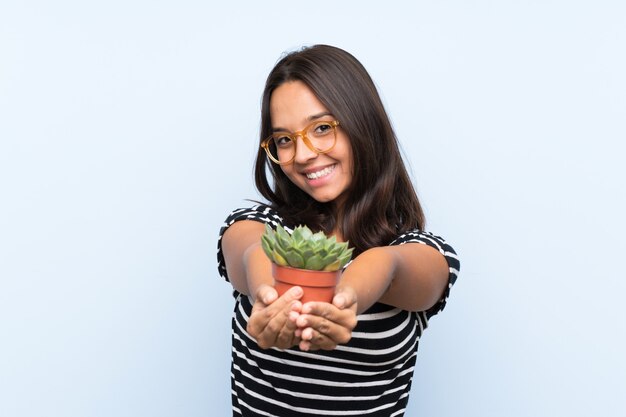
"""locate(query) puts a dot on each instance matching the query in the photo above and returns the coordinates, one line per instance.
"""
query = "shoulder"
(419, 236)
(430, 239)
(260, 212)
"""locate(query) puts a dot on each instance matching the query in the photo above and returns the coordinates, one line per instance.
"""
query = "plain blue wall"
(127, 133)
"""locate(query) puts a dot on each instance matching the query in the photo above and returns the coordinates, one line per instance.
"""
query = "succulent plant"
(305, 249)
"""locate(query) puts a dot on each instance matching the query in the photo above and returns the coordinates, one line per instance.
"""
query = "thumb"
(344, 297)
(266, 294)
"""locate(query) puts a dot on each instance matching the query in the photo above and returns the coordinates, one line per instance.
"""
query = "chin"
(325, 198)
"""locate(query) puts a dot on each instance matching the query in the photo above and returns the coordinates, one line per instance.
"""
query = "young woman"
(335, 166)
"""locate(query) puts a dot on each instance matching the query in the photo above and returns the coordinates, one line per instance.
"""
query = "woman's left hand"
(324, 325)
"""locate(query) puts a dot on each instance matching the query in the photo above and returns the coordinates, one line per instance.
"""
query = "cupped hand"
(272, 322)
(326, 325)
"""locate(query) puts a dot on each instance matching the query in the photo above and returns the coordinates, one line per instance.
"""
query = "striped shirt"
(369, 376)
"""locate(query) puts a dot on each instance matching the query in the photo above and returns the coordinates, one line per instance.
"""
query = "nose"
(303, 152)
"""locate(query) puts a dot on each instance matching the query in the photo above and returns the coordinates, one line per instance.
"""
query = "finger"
(338, 333)
(293, 316)
(291, 295)
(286, 337)
(269, 294)
(313, 340)
(305, 346)
(345, 317)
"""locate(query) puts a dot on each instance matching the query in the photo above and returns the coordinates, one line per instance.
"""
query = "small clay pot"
(317, 285)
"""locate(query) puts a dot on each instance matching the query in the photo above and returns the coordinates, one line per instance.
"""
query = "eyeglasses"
(320, 137)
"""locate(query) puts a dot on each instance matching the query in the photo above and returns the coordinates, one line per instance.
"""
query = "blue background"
(127, 134)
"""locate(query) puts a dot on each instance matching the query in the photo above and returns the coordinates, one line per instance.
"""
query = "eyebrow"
(309, 119)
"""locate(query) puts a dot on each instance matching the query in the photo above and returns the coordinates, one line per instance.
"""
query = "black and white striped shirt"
(369, 376)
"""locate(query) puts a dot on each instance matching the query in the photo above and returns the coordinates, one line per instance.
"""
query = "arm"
(411, 276)
(248, 267)
(249, 271)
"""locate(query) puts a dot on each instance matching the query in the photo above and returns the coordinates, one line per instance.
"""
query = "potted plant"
(310, 260)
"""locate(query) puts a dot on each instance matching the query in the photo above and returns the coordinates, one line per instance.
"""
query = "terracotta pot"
(317, 285)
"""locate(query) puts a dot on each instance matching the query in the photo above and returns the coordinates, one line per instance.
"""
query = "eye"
(282, 141)
(323, 128)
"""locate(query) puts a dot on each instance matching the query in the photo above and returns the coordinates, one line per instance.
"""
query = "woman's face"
(325, 177)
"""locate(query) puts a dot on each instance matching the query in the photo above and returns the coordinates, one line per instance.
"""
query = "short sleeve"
(436, 242)
(260, 213)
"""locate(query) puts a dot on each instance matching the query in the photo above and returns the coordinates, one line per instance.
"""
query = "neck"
(339, 215)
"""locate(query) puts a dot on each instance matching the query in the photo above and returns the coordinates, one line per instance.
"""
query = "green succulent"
(305, 249)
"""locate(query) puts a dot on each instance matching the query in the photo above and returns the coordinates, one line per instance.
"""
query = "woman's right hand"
(273, 319)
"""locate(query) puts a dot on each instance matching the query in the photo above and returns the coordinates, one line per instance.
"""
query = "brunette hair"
(381, 200)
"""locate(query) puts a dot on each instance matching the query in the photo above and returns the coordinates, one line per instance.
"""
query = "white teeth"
(322, 173)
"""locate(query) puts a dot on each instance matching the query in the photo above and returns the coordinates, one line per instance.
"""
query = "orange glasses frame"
(265, 144)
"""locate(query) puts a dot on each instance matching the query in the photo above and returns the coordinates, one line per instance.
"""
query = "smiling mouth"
(321, 173)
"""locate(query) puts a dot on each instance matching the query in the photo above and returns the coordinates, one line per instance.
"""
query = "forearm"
(248, 267)
(410, 276)
(257, 269)
(370, 274)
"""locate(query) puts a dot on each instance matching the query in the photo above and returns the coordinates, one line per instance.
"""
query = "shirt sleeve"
(436, 242)
(260, 213)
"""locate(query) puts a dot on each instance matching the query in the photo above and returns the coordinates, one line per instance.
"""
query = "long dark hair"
(381, 200)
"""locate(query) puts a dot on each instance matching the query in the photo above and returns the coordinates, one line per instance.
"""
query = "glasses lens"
(322, 136)
(282, 148)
